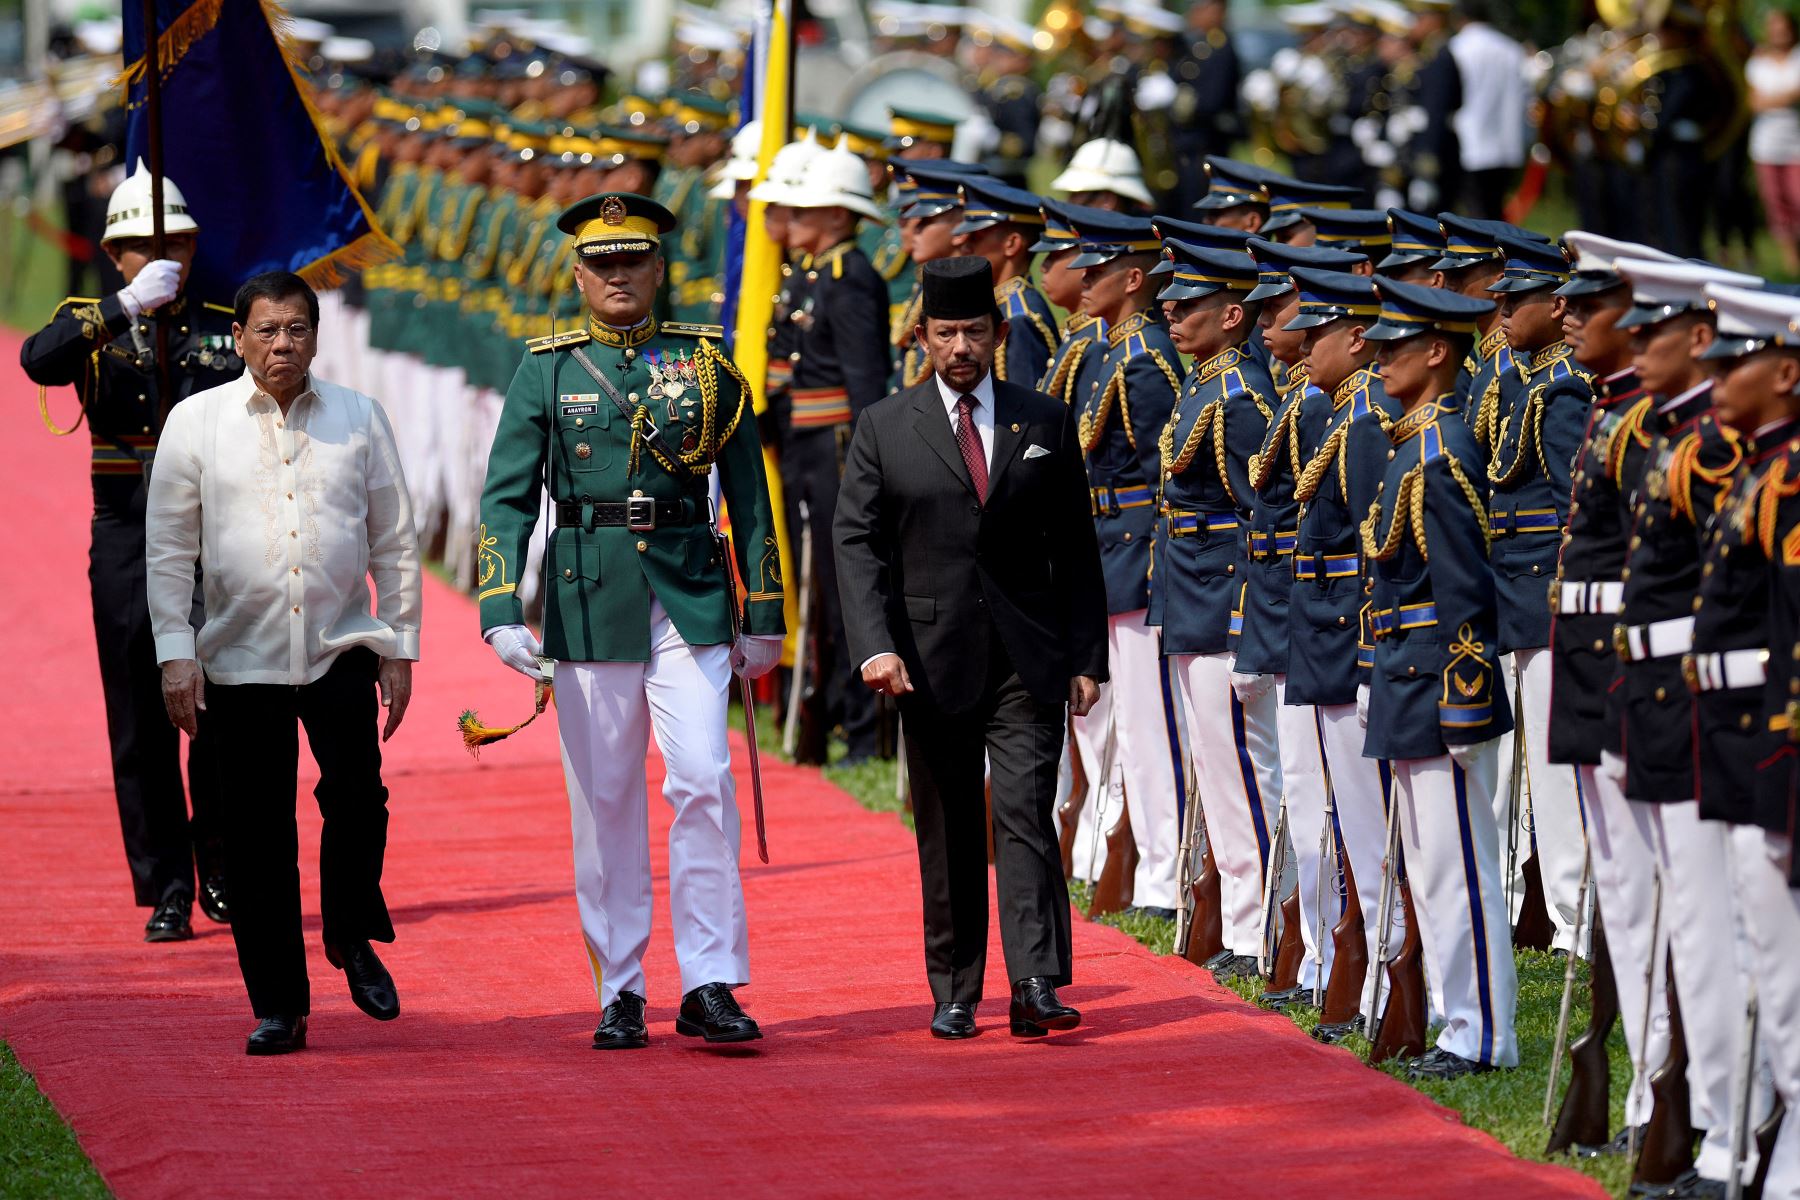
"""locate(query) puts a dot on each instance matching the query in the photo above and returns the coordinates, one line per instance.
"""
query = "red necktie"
(969, 442)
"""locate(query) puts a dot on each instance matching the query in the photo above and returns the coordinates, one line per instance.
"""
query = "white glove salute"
(157, 284)
(516, 648)
(755, 655)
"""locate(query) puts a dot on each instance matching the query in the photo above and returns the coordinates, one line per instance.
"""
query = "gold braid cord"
(1174, 462)
(1309, 479)
(1282, 432)
(1093, 423)
(1774, 488)
(1476, 503)
(710, 361)
(1487, 417)
(1630, 428)
(1062, 377)
(1685, 467)
(1384, 547)
(1531, 420)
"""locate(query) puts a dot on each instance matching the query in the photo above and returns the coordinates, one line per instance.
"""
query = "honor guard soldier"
(1692, 460)
(1212, 237)
(785, 180)
(1437, 708)
(1416, 241)
(1472, 262)
(1010, 98)
(1585, 604)
(1001, 224)
(1125, 393)
(1221, 414)
(1335, 486)
(1082, 332)
(1237, 195)
(932, 215)
(1204, 114)
(1287, 197)
(1532, 458)
(624, 419)
(108, 349)
(1358, 230)
(841, 369)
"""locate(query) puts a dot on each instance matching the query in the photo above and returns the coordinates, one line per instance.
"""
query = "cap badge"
(612, 211)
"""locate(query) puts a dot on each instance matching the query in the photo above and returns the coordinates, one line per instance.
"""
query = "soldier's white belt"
(1659, 639)
(1726, 671)
(1572, 598)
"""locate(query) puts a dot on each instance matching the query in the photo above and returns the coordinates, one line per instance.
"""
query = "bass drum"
(913, 80)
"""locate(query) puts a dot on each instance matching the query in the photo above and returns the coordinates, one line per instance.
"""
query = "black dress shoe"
(1439, 1063)
(213, 901)
(1689, 1185)
(710, 1011)
(1620, 1145)
(277, 1035)
(170, 922)
(1285, 998)
(1337, 1031)
(371, 987)
(1238, 966)
(1218, 960)
(953, 1019)
(622, 1024)
(1036, 1010)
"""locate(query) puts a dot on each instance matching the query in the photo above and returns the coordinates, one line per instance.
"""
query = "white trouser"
(1771, 912)
(1238, 764)
(1553, 822)
(606, 712)
(1359, 790)
(1453, 863)
(1303, 786)
(1105, 798)
(1709, 978)
(1145, 759)
(1625, 885)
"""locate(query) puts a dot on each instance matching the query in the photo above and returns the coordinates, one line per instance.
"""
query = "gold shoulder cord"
(1531, 420)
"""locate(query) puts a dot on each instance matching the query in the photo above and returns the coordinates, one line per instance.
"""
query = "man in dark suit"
(972, 592)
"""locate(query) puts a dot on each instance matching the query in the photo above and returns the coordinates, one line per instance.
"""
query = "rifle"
(1584, 1121)
(1273, 870)
(1400, 1029)
(1641, 1068)
(1534, 929)
(1766, 1133)
(1327, 848)
(1389, 857)
(1206, 931)
(1112, 891)
(1350, 954)
(790, 733)
(1184, 862)
(1740, 1125)
(1568, 992)
(1103, 791)
(1069, 811)
(1668, 1148)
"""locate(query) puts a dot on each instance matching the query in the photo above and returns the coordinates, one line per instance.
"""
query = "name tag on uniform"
(587, 405)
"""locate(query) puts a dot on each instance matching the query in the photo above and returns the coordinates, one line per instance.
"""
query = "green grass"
(33, 273)
(39, 1156)
(1508, 1105)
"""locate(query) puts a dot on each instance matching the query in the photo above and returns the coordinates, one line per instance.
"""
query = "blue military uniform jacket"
(1218, 425)
(1126, 395)
(1530, 476)
(1293, 435)
(1032, 336)
(1483, 398)
(1433, 612)
(1083, 335)
(1331, 649)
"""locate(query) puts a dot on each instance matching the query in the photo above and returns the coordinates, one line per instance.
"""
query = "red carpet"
(485, 1086)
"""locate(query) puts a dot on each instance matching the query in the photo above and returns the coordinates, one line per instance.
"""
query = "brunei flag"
(241, 139)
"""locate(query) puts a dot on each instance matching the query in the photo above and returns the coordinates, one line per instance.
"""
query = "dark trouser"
(160, 841)
(1022, 741)
(811, 469)
(259, 749)
(1678, 191)
(1484, 192)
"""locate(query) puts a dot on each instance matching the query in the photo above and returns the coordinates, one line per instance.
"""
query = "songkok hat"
(616, 223)
(957, 289)
(1275, 262)
(1327, 295)
(1410, 308)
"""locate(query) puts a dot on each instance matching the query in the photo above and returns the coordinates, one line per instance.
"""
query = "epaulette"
(556, 341)
(690, 329)
(77, 300)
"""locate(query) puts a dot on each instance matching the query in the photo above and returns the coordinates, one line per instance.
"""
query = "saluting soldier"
(107, 348)
(1529, 477)
(1204, 450)
(625, 418)
(1436, 706)
(1001, 224)
(1082, 332)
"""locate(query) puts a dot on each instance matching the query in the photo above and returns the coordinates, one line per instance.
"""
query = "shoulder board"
(556, 341)
(77, 300)
(221, 308)
(689, 329)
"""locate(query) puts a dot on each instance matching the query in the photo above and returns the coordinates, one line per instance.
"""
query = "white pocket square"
(1032, 452)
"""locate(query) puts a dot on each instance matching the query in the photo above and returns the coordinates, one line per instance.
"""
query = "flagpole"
(158, 245)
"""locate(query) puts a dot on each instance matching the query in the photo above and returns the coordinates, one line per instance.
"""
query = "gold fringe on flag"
(475, 735)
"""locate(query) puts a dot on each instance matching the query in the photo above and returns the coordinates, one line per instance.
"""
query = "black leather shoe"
(1036, 1010)
(1620, 1145)
(1285, 998)
(1218, 960)
(371, 987)
(1238, 966)
(277, 1035)
(953, 1019)
(710, 1011)
(1689, 1185)
(1337, 1031)
(213, 901)
(171, 921)
(1439, 1063)
(622, 1024)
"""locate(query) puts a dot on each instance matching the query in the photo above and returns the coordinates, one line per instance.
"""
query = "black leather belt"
(640, 513)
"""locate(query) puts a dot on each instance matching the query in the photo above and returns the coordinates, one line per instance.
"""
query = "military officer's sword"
(745, 692)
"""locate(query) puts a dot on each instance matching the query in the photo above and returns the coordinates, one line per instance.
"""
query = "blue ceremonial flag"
(243, 143)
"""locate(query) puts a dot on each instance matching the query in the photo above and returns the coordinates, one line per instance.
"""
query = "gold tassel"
(475, 735)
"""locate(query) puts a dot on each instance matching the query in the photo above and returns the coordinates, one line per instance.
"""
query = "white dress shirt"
(289, 518)
(1491, 126)
(983, 412)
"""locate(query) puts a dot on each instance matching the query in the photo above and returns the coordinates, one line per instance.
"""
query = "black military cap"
(987, 202)
(1203, 270)
(1327, 295)
(1197, 233)
(1232, 184)
(1408, 309)
(1417, 239)
(1530, 265)
(1288, 196)
(1349, 228)
(958, 289)
(1275, 262)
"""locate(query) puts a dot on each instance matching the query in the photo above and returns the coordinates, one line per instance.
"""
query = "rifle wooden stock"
(1766, 1133)
(1349, 957)
(1534, 930)
(1400, 1028)
(1668, 1147)
(1206, 933)
(1069, 811)
(1290, 950)
(1585, 1116)
(1112, 891)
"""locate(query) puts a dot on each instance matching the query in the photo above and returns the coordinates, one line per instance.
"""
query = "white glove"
(516, 648)
(1464, 754)
(1250, 688)
(158, 283)
(1362, 704)
(754, 655)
